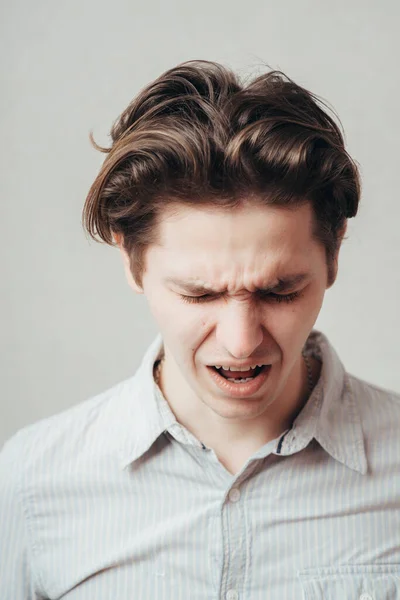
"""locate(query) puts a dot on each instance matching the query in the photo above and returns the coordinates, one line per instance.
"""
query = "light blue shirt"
(114, 500)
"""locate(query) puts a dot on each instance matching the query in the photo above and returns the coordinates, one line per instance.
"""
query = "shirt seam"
(36, 577)
(391, 393)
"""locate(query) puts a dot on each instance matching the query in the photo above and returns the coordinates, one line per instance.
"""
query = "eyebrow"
(283, 284)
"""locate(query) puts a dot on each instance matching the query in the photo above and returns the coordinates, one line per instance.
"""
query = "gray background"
(71, 327)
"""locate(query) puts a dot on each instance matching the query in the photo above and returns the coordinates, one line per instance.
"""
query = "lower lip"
(240, 390)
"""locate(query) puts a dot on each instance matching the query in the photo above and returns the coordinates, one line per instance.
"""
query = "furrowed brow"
(283, 284)
(189, 286)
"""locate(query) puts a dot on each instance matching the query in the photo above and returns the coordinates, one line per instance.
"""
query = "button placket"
(233, 572)
(234, 495)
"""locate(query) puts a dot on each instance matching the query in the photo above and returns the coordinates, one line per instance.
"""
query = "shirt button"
(232, 595)
(234, 496)
(366, 597)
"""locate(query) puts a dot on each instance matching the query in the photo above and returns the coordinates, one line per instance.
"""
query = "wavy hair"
(196, 135)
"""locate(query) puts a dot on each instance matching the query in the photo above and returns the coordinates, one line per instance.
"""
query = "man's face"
(202, 282)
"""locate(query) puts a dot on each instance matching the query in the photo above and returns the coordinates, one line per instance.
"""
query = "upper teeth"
(237, 368)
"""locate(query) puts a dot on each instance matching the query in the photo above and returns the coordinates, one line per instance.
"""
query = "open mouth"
(240, 384)
(240, 376)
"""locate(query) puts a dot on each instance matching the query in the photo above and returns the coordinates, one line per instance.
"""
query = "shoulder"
(82, 428)
(372, 395)
(47, 469)
(379, 413)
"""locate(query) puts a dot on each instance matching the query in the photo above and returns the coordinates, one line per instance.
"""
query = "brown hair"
(197, 135)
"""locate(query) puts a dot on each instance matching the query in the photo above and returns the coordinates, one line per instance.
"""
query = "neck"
(233, 437)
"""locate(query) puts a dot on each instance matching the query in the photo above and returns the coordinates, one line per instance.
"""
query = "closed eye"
(268, 297)
(280, 297)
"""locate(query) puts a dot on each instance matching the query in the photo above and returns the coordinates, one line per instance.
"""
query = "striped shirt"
(113, 499)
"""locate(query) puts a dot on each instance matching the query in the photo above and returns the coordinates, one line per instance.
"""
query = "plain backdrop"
(70, 326)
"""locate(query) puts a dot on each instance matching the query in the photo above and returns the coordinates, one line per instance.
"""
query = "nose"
(239, 330)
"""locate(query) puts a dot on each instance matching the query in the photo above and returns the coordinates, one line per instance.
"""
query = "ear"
(127, 265)
(335, 263)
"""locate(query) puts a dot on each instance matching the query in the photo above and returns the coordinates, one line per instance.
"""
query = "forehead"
(182, 224)
(228, 246)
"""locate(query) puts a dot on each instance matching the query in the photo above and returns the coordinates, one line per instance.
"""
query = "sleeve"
(16, 579)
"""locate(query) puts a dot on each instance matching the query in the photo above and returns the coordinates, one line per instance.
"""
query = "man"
(241, 461)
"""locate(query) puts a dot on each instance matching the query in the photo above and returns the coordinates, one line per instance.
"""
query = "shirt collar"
(331, 414)
(143, 416)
